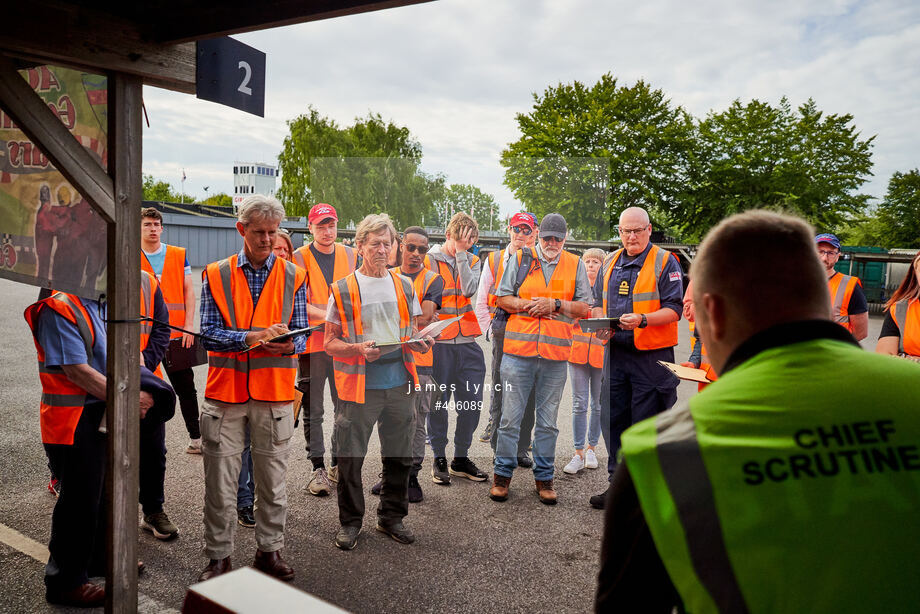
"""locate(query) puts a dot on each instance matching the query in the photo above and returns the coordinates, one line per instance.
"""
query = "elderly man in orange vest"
(326, 262)
(848, 302)
(247, 300)
(643, 287)
(372, 314)
(543, 305)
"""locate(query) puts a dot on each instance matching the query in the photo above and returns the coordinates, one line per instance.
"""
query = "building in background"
(252, 178)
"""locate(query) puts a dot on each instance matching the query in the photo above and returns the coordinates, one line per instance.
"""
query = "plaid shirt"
(212, 323)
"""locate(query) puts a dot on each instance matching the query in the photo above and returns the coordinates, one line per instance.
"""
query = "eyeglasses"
(829, 254)
(551, 240)
(630, 231)
(421, 249)
(525, 230)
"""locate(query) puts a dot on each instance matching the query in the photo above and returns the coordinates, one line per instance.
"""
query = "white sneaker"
(590, 459)
(194, 446)
(319, 483)
(575, 465)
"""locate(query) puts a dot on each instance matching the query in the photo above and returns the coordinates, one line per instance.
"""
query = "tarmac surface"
(471, 554)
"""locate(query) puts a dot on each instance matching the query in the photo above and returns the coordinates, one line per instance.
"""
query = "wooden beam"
(122, 364)
(179, 21)
(70, 34)
(32, 115)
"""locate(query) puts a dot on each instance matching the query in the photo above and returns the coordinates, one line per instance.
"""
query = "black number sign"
(231, 73)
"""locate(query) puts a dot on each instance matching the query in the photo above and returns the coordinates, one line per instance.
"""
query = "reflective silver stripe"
(900, 316)
(227, 362)
(63, 400)
(271, 362)
(837, 306)
(685, 474)
(451, 292)
(145, 293)
(518, 336)
(350, 331)
(226, 276)
(175, 306)
(646, 296)
(547, 340)
(146, 328)
(287, 307)
(660, 258)
(82, 325)
(299, 260)
(352, 257)
(349, 368)
(456, 311)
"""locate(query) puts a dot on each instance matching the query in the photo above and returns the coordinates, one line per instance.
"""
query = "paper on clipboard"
(686, 373)
(589, 325)
(434, 329)
(285, 336)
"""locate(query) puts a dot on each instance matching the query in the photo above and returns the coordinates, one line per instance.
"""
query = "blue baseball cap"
(532, 215)
(828, 238)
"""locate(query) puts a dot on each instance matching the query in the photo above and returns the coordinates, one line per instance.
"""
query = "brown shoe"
(84, 596)
(499, 490)
(546, 491)
(272, 564)
(215, 568)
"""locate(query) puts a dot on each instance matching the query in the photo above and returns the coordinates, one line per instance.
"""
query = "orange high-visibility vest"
(148, 294)
(586, 348)
(906, 314)
(453, 303)
(237, 377)
(421, 283)
(62, 400)
(841, 287)
(349, 372)
(317, 290)
(548, 338)
(705, 364)
(172, 285)
(496, 264)
(646, 299)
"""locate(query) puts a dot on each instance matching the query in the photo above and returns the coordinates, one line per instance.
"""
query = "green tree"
(588, 152)
(761, 156)
(470, 199)
(899, 212)
(369, 167)
(158, 190)
(219, 200)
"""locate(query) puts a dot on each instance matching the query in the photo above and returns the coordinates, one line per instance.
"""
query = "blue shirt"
(158, 258)
(212, 323)
(670, 288)
(63, 345)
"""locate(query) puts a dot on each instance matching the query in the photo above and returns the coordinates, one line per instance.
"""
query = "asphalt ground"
(471, 554)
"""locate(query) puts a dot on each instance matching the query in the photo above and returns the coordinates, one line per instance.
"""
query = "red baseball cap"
(321, 212)
(521, 218)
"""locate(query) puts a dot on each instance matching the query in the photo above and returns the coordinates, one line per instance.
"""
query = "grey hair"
(594, 252)
(372, 224)
(262, 207)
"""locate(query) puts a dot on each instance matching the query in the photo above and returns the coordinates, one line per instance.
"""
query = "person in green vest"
(791, 484)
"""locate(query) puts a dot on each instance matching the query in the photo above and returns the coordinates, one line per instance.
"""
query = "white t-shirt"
(380, 321)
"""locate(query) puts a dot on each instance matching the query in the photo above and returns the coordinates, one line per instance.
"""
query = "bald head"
(755, 270)
(634, 216)
(635, 230)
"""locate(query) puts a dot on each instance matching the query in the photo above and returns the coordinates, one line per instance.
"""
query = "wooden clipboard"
(688, 374)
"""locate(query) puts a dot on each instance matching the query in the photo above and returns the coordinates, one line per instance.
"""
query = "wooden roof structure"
(133, 43)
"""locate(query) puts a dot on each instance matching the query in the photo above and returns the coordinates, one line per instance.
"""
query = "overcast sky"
(456, 72)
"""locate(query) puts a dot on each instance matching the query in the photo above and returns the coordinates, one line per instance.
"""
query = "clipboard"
(686, 373)
(434, 329)
(288, 335)
(590, 325)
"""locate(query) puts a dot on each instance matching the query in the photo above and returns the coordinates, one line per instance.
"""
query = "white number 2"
(244, 86)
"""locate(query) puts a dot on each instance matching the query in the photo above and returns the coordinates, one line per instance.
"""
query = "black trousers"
(78, 522)
(315, 369)
(393, 411)
(152, 465)
(495, 412)
(183, 382)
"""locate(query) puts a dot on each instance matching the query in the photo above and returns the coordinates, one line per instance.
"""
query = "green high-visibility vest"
(791, 485)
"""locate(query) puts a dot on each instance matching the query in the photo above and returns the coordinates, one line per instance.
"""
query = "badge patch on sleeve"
(674, 276)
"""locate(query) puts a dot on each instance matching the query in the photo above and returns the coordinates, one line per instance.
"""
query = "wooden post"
(122, 366)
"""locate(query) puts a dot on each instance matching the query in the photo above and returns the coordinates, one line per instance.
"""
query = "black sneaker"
(439, 472)
(347, 537)
(466, 468)
(415, 490)
(245, 517)
(397, 531)
(525, 461)
(599, 501)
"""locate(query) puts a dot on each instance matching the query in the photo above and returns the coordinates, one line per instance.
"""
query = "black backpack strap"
(527, 260)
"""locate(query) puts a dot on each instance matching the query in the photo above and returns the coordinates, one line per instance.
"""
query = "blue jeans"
(519, 376)
(586, 404)
(244, 490)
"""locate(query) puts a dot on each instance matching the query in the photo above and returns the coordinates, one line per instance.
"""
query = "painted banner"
(49, 234)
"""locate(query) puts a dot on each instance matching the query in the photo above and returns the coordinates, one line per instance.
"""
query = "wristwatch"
(558, 304)
(644, 322)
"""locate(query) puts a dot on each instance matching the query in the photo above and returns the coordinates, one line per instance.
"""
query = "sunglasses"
(525, 230)
(421, 249)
